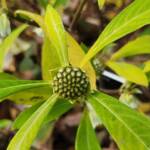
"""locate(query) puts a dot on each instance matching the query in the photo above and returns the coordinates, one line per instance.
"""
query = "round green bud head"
(71, 82)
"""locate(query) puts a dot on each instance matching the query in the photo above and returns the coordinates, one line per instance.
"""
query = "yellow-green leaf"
(24, 115)
(76, 54)
(6, 76)
(28, 95)
(37, 18)
(139, 46)
(11, 87)
(4, 25)
(86, 138)
(130, 19)
(25, 136)
(8, 42)
(147, 66)
(129, 72)
(56, 34)
(101, 3)
(54, 52)
(32, 96)
(129, 129)
(59, 108)
(50, 63)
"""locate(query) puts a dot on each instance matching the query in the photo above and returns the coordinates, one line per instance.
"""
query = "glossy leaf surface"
(25, 136)
(8, 42)
(130, 129)
(130, 19)
(10, 87)
(147, 66)
(86, 138)
(129, 72)
(54, 52)
(101, 3)
(76, 54)
(139, 46)
(60, 107)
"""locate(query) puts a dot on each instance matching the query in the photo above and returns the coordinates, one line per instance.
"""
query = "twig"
(114, 92)
(77, 14)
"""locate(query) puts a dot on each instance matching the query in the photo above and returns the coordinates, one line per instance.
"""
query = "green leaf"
(56, 34)
(32, 96)
(130, 19)
(129, 72)
(147, 66)
(10, 87)
(55, 43)
(76, 54)
(86, 138)
(32, 16)
(23, 116)
(4, 123)
(146, 31)
(25, 136)
(101, 3)
(49, 65)
(43, 3)
(28, 96)
(6, 76)
(8, 42)
(59, 108)
(148, 76)
(130, 129)
(139, 46)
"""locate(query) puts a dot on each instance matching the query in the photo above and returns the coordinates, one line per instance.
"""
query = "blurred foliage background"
(23, 61)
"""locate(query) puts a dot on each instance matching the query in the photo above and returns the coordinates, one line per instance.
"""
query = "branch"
(77, 14)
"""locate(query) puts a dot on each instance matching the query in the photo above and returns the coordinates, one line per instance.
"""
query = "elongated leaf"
(54, 52)
(28, 96)
(43, 3)
(25, 136)
(7, 43)
(148, 76)
(139, 46)
(6, 76)
(86, 138)
(76, 54)
(50, 63)
(130, 19)
(130, 129)
(129, 72)
(37, 18)
(32, 96)
(147, 66)
(59, 108)
(23, 116)
(10, 87)
(101, 3)
(56, 35)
